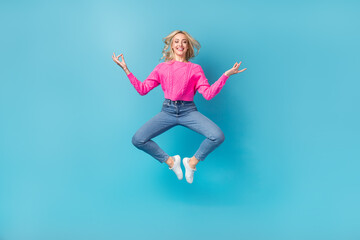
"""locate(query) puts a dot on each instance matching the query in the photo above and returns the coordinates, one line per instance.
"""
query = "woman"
(179, 79)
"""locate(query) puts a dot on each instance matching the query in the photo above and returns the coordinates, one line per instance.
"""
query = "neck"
(179, 58)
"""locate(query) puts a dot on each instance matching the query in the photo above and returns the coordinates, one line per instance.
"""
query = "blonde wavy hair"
(168, 53)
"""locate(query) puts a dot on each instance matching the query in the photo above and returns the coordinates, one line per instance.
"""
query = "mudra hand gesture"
(234, 69)
(122, 64)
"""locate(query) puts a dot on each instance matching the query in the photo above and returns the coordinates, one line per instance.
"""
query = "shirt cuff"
(224, 77)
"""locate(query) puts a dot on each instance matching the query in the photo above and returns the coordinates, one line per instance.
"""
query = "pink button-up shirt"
(179, 81)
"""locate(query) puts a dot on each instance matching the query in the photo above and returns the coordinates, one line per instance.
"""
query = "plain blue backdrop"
(289, 165)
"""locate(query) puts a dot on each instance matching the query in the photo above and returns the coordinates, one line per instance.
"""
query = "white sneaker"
(177, 168)
(189, 172)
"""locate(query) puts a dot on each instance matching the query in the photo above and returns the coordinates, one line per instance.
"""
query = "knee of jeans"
(221, 138)
(218, 137)
(136, 141)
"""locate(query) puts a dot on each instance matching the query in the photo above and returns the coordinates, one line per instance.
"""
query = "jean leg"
(203, 125)
(152, 128)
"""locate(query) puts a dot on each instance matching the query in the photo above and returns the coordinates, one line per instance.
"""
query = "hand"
(122, 64)
(234, 69)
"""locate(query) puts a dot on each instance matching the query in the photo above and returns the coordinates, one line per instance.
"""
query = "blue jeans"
(174, 113)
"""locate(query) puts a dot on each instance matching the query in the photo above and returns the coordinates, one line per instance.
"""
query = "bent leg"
(203, 125)
(152, 128)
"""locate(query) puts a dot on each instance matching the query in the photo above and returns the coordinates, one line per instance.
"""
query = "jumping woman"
(179, 79)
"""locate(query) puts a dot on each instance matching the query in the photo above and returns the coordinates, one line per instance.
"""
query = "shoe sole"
(182, 174)
(186, 169)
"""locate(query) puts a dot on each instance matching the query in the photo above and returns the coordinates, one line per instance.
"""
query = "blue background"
(289, 165)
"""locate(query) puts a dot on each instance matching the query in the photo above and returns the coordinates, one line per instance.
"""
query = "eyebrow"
(182, 39)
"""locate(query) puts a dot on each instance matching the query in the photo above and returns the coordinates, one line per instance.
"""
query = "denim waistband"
(176, 102)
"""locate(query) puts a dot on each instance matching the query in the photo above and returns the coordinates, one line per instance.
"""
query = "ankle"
(170, 162)
(193, 162)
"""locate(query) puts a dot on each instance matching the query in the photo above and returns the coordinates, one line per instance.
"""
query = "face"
(180, 44)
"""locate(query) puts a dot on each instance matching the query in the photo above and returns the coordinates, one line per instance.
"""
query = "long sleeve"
(203, 86)
(149, 83)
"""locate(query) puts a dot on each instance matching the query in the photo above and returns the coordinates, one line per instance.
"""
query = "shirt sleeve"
(203, 86)
(148, 84)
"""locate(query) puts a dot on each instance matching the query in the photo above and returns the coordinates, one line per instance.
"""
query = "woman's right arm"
(141, 87)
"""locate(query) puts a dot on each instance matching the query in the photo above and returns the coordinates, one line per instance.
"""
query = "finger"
(234, 65)
(122, 57)
(242, 70)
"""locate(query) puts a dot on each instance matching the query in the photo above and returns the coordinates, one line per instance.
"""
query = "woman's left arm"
(210, 91)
